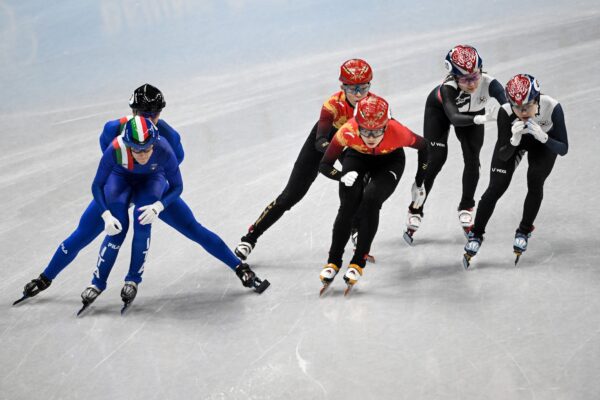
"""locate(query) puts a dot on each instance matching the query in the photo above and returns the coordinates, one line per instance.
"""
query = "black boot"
(246, 275)
(129, 292)
(37, 285)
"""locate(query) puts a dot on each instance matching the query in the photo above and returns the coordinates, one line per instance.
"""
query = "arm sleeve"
(558, 142)
(172, 136)
(107, 136)
(331, 154)
(324, 125)
(505, 149)
(104, 169)
(497, 91)
(421, 145)
(173, 175)
(456, 117)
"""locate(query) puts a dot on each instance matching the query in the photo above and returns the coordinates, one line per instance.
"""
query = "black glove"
(321, 144)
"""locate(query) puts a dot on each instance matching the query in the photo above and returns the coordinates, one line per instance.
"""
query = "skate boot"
(352, 276)
(34, 287)
(88, 296)
(244, 248)
(465, 218)
(413, 221)
(249, 278)
(520, 244)
(471, 248)
(128, 294)
(328, 273)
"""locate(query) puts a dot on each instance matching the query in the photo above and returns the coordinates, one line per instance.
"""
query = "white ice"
(244, 82)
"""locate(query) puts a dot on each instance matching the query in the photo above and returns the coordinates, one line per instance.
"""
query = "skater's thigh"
(471, 139)
(436, 126)
(117, 189)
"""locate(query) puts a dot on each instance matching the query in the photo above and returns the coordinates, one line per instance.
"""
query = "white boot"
(329, 272)
(353, 274)
(465, 218)
(413, 222)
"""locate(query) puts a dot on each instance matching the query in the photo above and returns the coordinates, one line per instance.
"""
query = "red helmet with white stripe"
(355, 72)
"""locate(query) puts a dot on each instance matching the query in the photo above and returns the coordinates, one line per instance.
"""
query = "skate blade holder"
(260, 285)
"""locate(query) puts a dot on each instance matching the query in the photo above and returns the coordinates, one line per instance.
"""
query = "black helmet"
(147, 99)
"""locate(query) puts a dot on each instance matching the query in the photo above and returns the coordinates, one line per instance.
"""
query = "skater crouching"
(355, 77)
(532, 123)
(374, 144)
(146, 101)
(136, 168)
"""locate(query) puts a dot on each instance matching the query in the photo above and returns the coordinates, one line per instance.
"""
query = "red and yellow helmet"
(372, 113)
(355, 72)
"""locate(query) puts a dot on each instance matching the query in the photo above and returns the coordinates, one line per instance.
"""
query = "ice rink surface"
(244, 82)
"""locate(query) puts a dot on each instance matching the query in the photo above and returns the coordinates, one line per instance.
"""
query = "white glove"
(150, 212)
(517, 130)
(536, 131)
(418, 195)
(349, 178)
(490, 115)
(112, 226)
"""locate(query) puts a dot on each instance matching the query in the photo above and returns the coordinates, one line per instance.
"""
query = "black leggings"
(540, 160)
(364, 201)
(304, 173)
(436, 130)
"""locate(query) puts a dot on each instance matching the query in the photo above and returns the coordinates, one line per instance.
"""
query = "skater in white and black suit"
(459, 101)
(532, 123)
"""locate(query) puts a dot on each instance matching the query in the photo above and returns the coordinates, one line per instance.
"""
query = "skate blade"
(518, 256)
(348, 289)
(324, 289)
(25, 297)
(408, 238)
(83, 310)
(466, 261)
(262, 285)
(125, 308)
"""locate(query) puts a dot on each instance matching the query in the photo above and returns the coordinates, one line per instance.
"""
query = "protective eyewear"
(142, 151)
(357, 89)
(524, 108)
(471, 78)
(375, 133)
(148, 114)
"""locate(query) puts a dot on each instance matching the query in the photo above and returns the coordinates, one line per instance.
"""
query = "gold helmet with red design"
(355, 72)
(372, 113)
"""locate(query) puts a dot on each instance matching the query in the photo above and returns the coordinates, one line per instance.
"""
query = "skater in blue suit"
(138, 167)
(146, 101)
